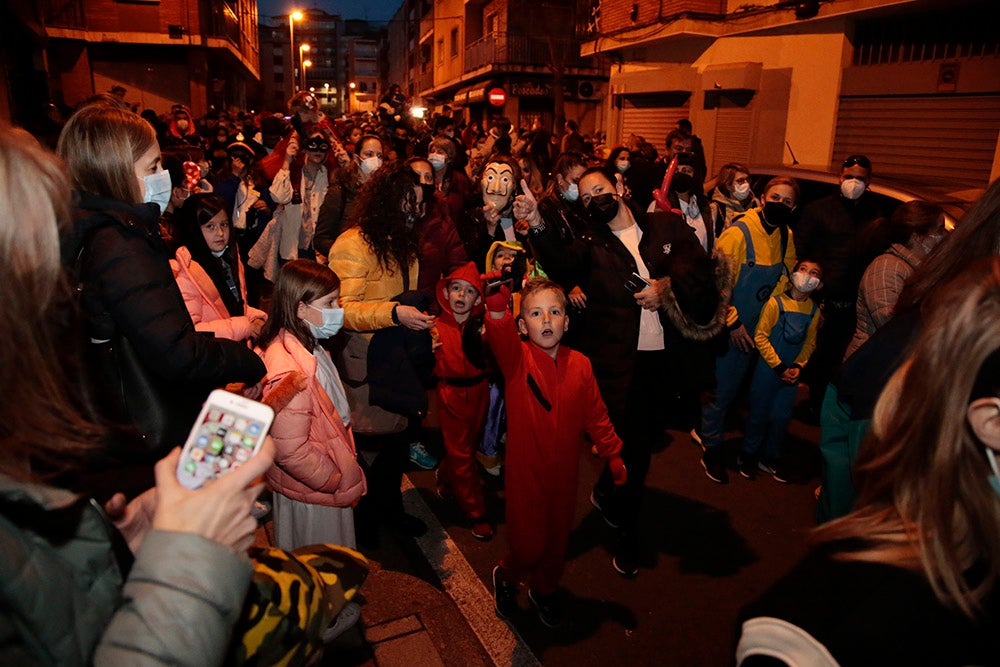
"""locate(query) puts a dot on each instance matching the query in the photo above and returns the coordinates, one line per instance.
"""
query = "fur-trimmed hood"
(688, 328)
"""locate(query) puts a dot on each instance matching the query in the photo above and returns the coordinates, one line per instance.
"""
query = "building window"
(492, 24)
(279, 78)
(454, 42)
(440, 52)
(279, 60)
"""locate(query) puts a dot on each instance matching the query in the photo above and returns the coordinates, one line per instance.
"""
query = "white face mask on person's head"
(333, 321)
(572, 192)
(852, 188)
(370, 164)
(158, 189)
(804, 282)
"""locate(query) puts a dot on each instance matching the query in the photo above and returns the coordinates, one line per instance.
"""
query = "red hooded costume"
(552, 404)
(463, 396)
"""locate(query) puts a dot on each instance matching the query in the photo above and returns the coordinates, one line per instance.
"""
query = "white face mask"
(572, 192)
(804, 282)
(852, 188)
(741, 191)
(333, 320)
(370, 164)
(158, 189)
(437, 160)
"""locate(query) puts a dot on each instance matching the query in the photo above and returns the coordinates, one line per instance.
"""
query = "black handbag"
(160, 412)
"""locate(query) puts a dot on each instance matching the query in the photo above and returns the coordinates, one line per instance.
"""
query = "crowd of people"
(538, 299)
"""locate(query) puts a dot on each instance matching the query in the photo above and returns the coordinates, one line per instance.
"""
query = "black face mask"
(777, 214)
(602, 208)
(682, 182)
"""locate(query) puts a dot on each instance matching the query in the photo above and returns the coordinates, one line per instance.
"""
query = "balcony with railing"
(509, 49)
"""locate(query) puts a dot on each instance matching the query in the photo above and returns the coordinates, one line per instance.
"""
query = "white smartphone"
(229, 430)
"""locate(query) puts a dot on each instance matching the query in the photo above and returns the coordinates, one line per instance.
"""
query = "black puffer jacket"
(128, 287)
(601, 264)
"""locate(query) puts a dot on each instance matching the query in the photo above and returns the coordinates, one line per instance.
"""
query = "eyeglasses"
(859, 160)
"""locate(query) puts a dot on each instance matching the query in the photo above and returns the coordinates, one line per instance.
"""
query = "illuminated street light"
(292, 18)
(302, 65)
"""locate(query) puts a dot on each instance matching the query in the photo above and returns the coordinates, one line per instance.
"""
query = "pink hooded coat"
(316, 461)
(201, 296)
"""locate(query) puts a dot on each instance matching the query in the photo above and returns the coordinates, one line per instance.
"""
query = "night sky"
(372, 10)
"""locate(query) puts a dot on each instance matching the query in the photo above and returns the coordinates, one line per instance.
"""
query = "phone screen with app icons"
(223, 440)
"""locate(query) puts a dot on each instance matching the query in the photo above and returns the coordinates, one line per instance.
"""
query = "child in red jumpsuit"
(463, 396)
(553, 402)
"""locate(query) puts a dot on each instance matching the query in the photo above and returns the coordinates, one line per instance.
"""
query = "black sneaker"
(711, 461)
(504, 596)
(626, 560)
(747, 469)
(600, 501)
(775, 471)
(696, 438)
(550, 612)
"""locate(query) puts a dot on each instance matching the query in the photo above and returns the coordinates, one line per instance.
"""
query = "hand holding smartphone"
(636, 283)
(229, 430)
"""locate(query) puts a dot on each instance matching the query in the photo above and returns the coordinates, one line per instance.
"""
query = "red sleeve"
(504, 342)
(597, 424)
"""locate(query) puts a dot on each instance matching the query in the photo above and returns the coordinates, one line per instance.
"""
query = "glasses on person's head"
(859, 160)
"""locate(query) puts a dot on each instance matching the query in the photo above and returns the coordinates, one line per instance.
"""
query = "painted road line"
(503, 644)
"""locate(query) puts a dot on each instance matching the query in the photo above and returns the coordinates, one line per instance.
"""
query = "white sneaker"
(345, 620)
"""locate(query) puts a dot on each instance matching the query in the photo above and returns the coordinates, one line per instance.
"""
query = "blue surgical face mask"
(333, 320)
(158, 189)
(572, 192)
(995, 477)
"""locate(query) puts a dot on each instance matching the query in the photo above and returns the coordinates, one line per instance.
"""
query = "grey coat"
(63, 600)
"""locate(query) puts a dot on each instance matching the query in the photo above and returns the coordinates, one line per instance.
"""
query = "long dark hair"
(198, 210)
(299, 281)
(379, 214)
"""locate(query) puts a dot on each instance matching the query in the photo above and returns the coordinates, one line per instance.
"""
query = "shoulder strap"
(751, 253)
(781, 306)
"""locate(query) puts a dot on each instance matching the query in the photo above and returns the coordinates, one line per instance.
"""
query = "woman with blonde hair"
(73, 592)
(910, 575)
(139, 327)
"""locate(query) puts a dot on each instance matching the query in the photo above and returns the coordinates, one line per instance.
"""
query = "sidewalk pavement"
(423, 604)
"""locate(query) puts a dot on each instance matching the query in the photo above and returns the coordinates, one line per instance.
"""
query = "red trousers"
(462, 417)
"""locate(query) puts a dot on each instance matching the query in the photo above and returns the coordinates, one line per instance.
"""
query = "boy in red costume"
(463, 395)
(554, 402)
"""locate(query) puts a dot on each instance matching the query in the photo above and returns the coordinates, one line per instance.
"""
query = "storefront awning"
(472, 94)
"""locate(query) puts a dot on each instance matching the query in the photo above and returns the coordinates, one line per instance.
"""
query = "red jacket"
(544, 446)
(315, 459)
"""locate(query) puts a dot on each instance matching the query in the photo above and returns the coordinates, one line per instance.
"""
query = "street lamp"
(351, 86)
(292, 18)
(304, 48)
(305, 64)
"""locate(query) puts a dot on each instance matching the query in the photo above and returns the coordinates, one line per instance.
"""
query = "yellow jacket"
(769, 317)
(768, 250)
(365, 287)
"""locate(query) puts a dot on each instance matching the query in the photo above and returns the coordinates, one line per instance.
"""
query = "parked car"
(890, 192)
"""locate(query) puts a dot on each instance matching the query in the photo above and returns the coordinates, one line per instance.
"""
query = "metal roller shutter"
(922, 137)
(733, 131)
(649, 117)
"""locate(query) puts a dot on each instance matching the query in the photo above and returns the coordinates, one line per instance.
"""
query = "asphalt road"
(708, 549)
